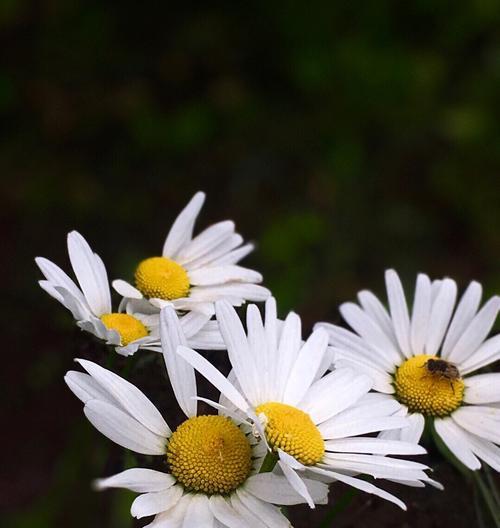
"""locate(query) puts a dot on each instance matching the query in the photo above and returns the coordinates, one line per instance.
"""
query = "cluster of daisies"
(293, 415)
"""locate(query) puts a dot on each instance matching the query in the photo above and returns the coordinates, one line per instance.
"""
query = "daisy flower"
(136, 323)
(423, 362)
(193, 273)
(211, 461)
(312, 426)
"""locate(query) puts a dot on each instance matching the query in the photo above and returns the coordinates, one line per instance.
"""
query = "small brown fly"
(442, 369)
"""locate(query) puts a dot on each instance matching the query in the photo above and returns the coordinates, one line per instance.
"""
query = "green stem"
(488, 498)
(269, 462)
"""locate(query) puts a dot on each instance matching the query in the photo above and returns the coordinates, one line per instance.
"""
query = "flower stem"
(269, 462)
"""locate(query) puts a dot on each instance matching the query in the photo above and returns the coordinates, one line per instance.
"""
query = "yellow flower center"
(161, 278)
(293, 431)
(429, 385)
(126, 325)
(209, 454)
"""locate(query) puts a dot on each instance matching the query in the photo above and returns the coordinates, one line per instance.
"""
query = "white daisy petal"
(122, 429)
(182, 229)
(442, 308)
(215, 252)
(482, 388)
(198, 513)
(370, 332)
(487, 353)
(91, 274)
(466, 310)
(238, 350)
(180, 372)
(126, 290)
(214, 376)
(246, 514)
(306, 366)
(275, 489)
(399, 311)
(226, 514)
(174, 517)
(234, 256)
(130, 397)
(376, 446)
(376, 310)
(361, 485)
(137, 479)
(485, 450)
(156, 502)
(420, 314)
(221, 274)
(480, 421)
(258, 349)
(412, 433)
(86, 388)
(347, 387)
(342, 427)
(207, 239)
(456, 441)
(268, 513)
(288, 350)
(476, 332)
(193, 322)
(289, 465)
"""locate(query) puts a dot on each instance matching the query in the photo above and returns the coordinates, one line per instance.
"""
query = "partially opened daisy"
(193, 273)
(312, 426)
(211, 461)
(136, 323)
(423, 361)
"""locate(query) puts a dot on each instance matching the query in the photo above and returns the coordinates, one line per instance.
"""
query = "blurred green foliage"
(342, 137)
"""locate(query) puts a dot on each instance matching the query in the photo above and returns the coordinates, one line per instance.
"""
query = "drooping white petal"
(129, 396)
(420, 314)
(126, 289)
(456, 441)
(137, 479)
(482, 388)
(268, 513)
(306, 366)
(180, 372)
(156, 502)
(476, 332)
(361, 485)
(399, 311)
(485, 450)
(182, 229)
(375, 446)
(441, 311)
(275, 489)
(91, 274)
(122, 429)
(219, 381)
(466, 310)
(289, 465)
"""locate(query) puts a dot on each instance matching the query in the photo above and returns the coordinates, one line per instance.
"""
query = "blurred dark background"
(342, 137)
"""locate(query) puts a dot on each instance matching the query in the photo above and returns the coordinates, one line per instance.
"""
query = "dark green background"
(342, 137)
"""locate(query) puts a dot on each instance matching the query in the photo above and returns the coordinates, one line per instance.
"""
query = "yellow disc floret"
(129, 327)
(161, 278)
(293, 431)
(433, 388)
(209, 454)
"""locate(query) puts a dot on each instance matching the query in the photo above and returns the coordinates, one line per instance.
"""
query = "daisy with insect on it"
(136, 323)
(313, 425)
(193, 273)
(425, 362)
(211, 462)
